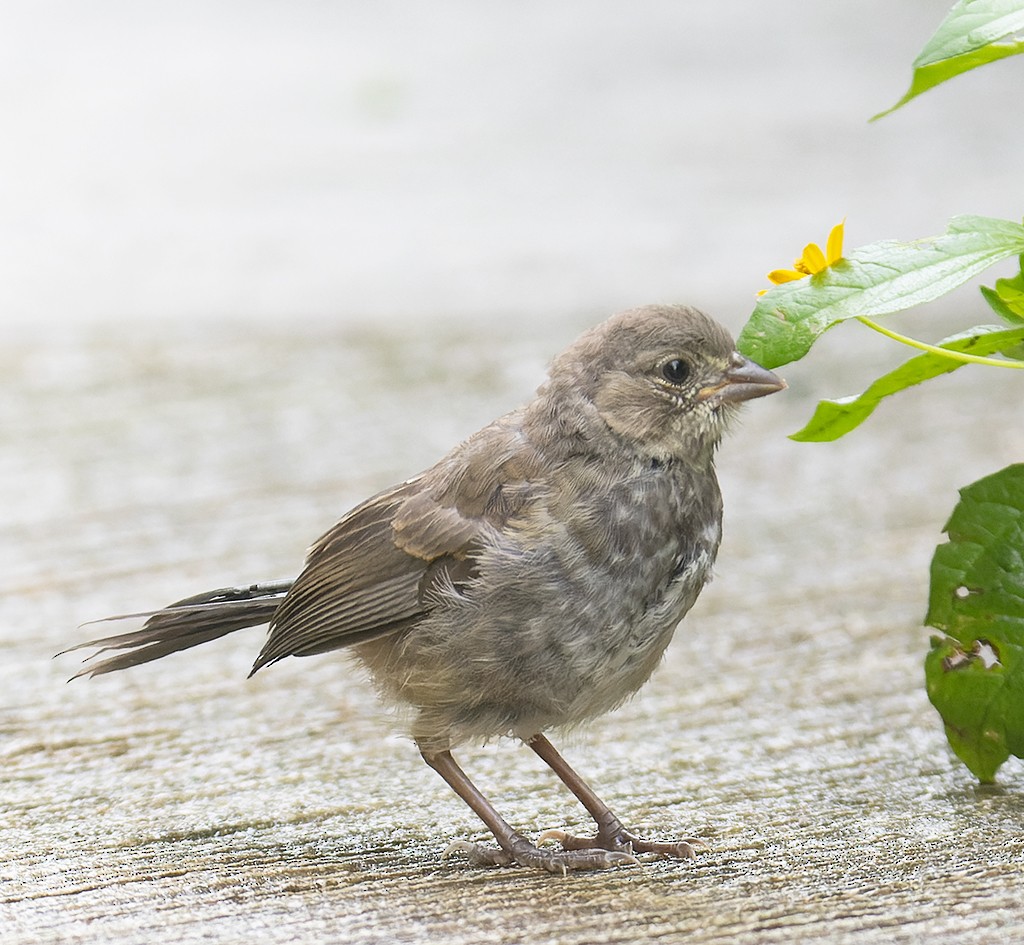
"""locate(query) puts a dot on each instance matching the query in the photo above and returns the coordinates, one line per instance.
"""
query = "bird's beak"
(742, 380)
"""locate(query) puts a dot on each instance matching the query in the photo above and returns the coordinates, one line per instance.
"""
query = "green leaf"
(968, 695)
(834, 418)
(999, 306)
(966, 39)
(975, 676)
(928, 76)
(1007, 301)
(874, 280)
(1011, 293)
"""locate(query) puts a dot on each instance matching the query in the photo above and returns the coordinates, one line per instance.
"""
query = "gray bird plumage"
(533, 577)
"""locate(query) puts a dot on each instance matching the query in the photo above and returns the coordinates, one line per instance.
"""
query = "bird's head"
(666, 379)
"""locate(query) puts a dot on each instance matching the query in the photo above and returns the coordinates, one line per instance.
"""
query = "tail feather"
(186, 623)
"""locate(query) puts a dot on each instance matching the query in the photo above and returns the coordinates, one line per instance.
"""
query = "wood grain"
(181, 802)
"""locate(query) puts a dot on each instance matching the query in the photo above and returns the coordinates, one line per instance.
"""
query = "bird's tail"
(186, 623)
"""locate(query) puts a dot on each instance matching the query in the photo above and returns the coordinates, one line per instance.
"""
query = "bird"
(530, 580)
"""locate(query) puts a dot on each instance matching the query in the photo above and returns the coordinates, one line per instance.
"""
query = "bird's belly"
(631, 652)
(523, 661)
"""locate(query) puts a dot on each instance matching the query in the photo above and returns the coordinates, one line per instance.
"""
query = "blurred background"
(342, 161)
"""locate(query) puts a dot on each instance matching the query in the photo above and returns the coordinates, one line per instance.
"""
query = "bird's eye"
(675, 371)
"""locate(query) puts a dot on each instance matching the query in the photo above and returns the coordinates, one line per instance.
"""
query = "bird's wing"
(374, 571)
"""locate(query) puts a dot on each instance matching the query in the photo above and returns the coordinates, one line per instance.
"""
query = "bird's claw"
(527, 854)
(625, 842)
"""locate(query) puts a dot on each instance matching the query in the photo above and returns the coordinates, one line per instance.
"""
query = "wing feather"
(373, 572)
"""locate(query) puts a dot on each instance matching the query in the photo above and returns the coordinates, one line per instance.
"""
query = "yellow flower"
(812, 260)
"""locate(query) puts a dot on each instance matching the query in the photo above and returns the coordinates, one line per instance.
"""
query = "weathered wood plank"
(789, 726)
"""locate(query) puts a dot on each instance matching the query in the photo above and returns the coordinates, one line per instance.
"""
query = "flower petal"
(778, 276)
(834, 247)
(813, 258)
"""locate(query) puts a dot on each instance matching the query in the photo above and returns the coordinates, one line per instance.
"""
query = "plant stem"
(935, 349)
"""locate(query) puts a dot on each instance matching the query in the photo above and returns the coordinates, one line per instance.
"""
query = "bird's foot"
(621, 840)
(524, 853)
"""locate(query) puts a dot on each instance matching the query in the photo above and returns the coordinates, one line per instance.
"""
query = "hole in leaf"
(987, 653)
(981, 650)
(956, 660)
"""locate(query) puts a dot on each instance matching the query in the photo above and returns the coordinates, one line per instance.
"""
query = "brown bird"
(531, 579)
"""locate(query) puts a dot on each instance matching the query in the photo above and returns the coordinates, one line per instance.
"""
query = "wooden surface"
(180, 802)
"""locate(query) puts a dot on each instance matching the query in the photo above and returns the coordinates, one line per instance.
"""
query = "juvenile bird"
(532, 578)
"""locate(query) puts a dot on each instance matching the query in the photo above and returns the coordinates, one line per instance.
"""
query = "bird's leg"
(611, 835)
(513, 846)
